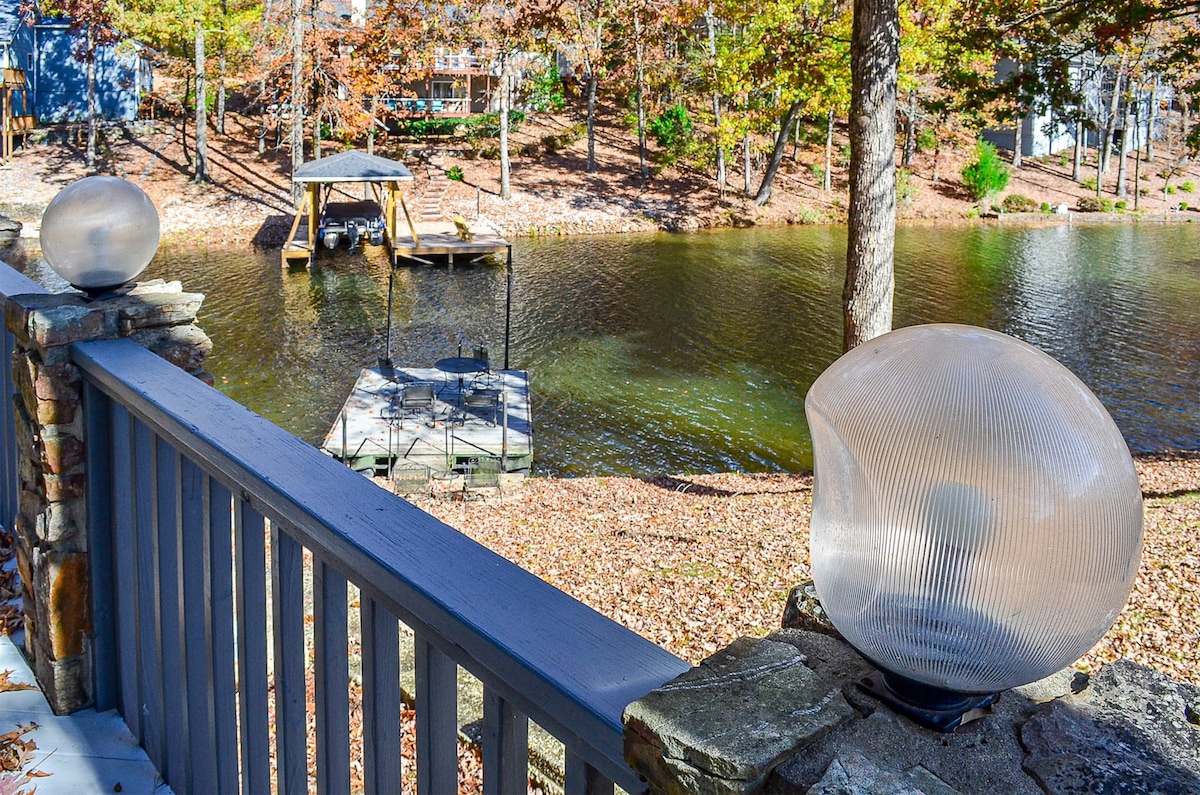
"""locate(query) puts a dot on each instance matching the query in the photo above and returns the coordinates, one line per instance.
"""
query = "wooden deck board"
(442, 438)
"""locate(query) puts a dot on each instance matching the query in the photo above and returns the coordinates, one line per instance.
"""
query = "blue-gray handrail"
(569, 668)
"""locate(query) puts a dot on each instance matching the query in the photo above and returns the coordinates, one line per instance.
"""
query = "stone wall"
(51, 522)
(784, 715)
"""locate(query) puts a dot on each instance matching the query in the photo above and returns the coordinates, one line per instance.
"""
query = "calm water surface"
(686, 353)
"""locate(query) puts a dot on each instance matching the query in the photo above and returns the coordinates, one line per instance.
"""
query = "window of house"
(449, 89)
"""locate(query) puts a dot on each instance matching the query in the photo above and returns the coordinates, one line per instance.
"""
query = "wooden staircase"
(13, 122)
(429, 207)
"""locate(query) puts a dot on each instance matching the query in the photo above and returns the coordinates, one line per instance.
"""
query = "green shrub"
(1016, 203)
(987, 174)
(1187, 186)
(672, 128)
(455, 173)
(818, 172)
(926, 139)
(1106, 205)
(1045, 208)
(423, 128)
(1120, 205)
(544, 91)
(1088, 183)
(1183, 206)
(1170, 190)
(1064, 160)
(906, 191)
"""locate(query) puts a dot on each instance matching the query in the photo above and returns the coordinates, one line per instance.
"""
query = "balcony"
(427, 106)
(231, 564)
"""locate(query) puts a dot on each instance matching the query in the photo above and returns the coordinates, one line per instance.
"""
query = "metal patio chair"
(482, 472)
(410, 479)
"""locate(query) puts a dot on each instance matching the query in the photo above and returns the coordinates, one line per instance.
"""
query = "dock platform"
(482, 415)
(439, 241)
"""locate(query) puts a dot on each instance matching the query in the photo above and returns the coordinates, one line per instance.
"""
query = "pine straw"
(694, 562)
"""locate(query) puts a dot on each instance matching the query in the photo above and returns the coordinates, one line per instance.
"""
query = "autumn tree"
(93, 24)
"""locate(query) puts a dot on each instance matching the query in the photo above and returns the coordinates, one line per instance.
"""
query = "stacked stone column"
(52, 518)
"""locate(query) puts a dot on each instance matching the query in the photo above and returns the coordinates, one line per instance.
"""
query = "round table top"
(461, 364)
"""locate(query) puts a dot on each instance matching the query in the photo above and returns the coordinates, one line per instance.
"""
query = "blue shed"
(44, 48)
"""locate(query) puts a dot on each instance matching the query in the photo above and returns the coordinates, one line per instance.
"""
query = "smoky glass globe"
(99, 233)
(977, 519)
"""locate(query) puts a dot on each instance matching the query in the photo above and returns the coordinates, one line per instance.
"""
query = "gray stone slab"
(1129, 732)
(854, 774)
(722, 726)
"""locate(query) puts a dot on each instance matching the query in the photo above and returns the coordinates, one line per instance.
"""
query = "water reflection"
(674, 353)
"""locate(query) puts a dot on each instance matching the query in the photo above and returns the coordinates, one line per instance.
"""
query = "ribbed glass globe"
(977, 519)
(99, 233)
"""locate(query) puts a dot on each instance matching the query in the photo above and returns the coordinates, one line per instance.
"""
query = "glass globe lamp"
(99, 233)
(977, 519)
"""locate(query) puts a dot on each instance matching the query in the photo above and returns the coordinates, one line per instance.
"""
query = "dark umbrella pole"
(507, 304)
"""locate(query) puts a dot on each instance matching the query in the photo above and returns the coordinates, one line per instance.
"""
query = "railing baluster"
(332, 680)
(580, 778)
(249, 532)
(197, 636)
(437, 720)
(101, 539)
(124, 564)
(381, 697)
(218, 519)
(505, 746)
(175, 719)
(149, 639)
(287, 604)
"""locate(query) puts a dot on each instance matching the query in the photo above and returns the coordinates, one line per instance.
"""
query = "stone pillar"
(51, 522)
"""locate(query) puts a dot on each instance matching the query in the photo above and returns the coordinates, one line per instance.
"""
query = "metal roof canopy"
(352, 166)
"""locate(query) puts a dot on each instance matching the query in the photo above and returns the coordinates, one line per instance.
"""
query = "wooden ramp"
(439, 241)
(373, 430)
(298, 246)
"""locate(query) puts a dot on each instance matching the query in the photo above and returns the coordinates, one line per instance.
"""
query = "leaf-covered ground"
(694, 562)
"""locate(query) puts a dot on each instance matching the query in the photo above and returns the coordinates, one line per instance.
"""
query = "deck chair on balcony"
(482, 472)
(410, 479)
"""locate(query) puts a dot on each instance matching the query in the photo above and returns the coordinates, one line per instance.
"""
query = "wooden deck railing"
(201, 514)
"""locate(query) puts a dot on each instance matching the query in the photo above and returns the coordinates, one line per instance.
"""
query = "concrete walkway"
(88, 752)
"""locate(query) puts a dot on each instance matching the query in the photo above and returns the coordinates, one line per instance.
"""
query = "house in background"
(55, 81)
(459, 84)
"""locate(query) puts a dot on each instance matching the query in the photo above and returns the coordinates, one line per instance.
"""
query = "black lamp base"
(101, 293)
(933, 707)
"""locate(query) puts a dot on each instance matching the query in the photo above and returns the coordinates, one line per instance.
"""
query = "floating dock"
(427, 242)
(375, 431)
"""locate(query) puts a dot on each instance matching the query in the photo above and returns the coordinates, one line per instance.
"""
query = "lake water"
(692, 353)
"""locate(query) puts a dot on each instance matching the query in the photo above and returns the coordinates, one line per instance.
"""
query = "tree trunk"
(641, 104)
(221, 71)
(827, 183)
(1110, 123)
(1077, 160)
(373, 108)
(1137, 161)
(201, 174)
(910, 130)
(785, 128)
(870, 281)
(505, 99)
(746, 164)
(591, 122)
(1018, 138)
(1185, 126)
(1152, 121)
(1122, 163)
(937, 159)
(183, 122)
(92, 110)
(711, 23)
(297, 100)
